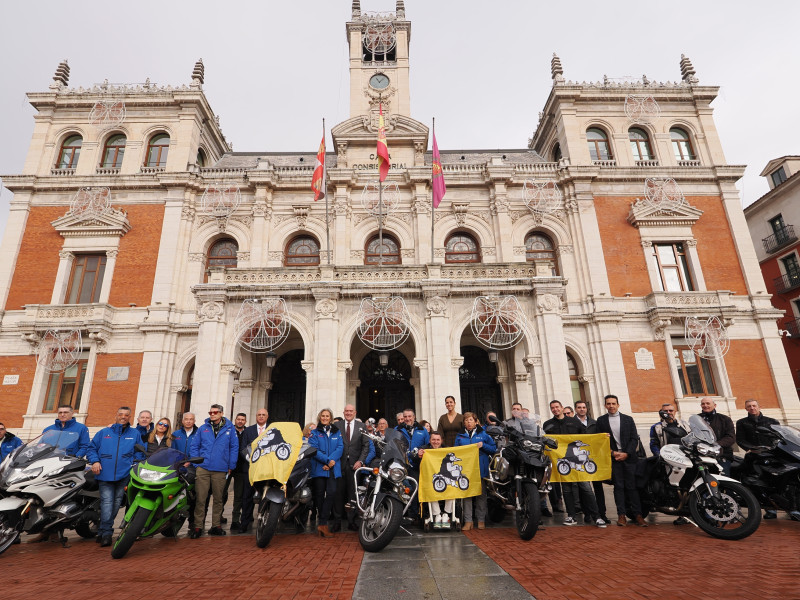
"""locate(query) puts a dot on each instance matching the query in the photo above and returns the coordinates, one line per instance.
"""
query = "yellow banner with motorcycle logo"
(447, 473)
(274, 452)
(581, 458)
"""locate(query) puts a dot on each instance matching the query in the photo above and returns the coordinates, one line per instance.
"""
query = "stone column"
(553, 347)
(498, 203)
(340, 238)
(442, 367)
(65, 260)
(108, 275)
(210, 342)
(170, 258)
(421, 209)
(326, 363)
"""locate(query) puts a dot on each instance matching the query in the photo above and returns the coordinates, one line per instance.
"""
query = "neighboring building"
(772, 220)
(604, 279)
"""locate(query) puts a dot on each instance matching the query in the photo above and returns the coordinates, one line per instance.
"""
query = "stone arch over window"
(157, 150)
(113, 151)
(599, 144)
(540, 249)
(69, 152)
(461, 247)
(641, 147)
(390, 254)
(302, 251)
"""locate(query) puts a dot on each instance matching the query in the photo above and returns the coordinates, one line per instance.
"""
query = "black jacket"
(629, 437)
(746, 435)
(722, 426)
(153, 447)
(248, 436)
(242, 465)
(591, 424)
(565, 426)
(357, 447)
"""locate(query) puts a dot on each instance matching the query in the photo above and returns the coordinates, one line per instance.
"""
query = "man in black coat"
(356, 448)
(722, 426)
(249, 435)
(624, 439)
(582, 414)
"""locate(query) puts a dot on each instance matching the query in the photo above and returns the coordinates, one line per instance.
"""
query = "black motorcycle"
(772, 472)
(518, 472)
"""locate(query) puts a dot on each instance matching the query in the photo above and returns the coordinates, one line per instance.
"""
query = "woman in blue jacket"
(474, 434)
(325, 467)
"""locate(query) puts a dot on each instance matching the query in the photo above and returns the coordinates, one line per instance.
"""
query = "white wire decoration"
(262, 325)
(107, 113)
(221, 200)
(384, 322)
(542, 196)
(708, 338)
(91, 202)
(663, 193)
(371, 198)
(497, 321)
(641, 109)
(59, 350)
(379, 36)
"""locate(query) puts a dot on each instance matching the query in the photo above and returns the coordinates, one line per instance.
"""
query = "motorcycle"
(686, 480)
(45, 491)
(518, 472)
(159, 494)
(282, 503)
(386, 493)
(773, 472)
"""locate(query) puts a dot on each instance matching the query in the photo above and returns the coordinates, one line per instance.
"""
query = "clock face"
(379, 81)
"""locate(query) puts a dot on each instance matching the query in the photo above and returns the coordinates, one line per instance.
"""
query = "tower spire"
(556, 70)
(199, 73)
(356, 8)
(61, 76)
(688, 73)
(400, 10)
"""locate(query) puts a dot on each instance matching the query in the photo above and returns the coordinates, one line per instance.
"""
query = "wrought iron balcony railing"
(793, 327)
(787, 282)
(783, 236)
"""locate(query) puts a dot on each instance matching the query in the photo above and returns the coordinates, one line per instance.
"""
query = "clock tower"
(379, 61)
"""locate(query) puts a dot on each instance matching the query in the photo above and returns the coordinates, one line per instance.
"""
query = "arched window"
(390, 255)
(540, 247)
(222, 253)
(113, 152)
(556, 152)
(461, 248)
(200, 161)
(599, 148)
(157, 151)
(681, 144)
(302, 251)
(640, 144)
(578, 393)
(70, 151)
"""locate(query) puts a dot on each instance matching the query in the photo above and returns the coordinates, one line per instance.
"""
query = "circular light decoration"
(221, 200)
(663, 192)
(497, 321)
(380, 37)
(91, 201)
(708, 338)
(59, 350)
(641, 109)
(107, 113)
(384, 322)
(542, 196)
(371, 198)
(262, 325)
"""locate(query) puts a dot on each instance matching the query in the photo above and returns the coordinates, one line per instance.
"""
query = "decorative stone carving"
(178, 388)
(488, 251)
(436, 306)
(275, 255)
(197, 257)
(326, 307)
(357, 254)
(660, 328)
(565, 249)
(522, 377)
(211, 311)
(647, 244)
(64, 254)
(308, 365)
(100, 339)
(112, 254)
(187, 212)
(457, 361)
(533, 361)
(572, 205)
(243, 256)
(439, 252)
(408, 252)
(421, 363)
(341, 156)
(460, 211)
(421, 206)
(520, 250)
(419, 153)
(341, 206)
(549, 303)
(586, 378)
(344, 365)
(260, 210)
(691, 243)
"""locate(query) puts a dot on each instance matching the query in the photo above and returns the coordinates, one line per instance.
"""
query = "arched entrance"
(287, 398)
(477, 377)
(384, 391)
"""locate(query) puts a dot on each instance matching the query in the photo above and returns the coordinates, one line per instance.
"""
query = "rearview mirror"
(494, 419)
(550, 443)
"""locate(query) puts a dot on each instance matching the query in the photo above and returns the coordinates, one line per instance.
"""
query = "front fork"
(709, 481)
(368, 512)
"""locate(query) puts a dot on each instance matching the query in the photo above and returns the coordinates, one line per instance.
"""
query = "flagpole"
(433, 208)
(325, 187)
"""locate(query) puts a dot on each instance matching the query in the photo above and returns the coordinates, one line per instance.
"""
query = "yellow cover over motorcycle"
(274, 453)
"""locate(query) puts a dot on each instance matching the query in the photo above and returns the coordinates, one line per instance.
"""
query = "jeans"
(480, 507)
(588, 502)
(110, 499)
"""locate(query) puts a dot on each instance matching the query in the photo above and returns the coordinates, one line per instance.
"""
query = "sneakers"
(195, 533)
(680, 521)
(445, 521)
(770, 514)
(216, 531)
(437, 522)
(570, 521)
(600, 523)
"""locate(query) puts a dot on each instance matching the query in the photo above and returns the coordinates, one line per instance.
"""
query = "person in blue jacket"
(217, 443)
(474, 434)
(416, 435)
(67, 424)
(111, 454)
(8, 442)
(325, 467)
(182, 436)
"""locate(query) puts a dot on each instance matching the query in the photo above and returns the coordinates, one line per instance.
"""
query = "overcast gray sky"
(275, 68)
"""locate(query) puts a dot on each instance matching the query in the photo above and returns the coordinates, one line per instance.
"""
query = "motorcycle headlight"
(708, 450)
(19, 475)
(397, 474)
(533, 446)
(150, 475)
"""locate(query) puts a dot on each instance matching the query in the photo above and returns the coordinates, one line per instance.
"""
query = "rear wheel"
(129, 533)
(8, 533)
(530, 514)
(735, 515)
(376, 533)
(267, 522)
(87, 527)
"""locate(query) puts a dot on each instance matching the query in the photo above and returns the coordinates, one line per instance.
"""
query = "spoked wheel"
(528, 518)
(8, 534)
(735, 515)
(376, 533)
(129, 533)
(267, 522)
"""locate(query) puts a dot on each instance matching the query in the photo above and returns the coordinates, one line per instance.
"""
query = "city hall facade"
(154, 278)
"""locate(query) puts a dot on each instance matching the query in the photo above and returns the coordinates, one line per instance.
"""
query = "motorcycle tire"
(269, 513)
(376, 533)
(737, 497)
(172, 530)
(528, 518)
(591, 467)
(129, 533)
(8, 534)
(87, 527)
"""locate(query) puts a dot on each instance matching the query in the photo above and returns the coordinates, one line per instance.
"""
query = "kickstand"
(406, 530)
(692, 522)
(63, 539)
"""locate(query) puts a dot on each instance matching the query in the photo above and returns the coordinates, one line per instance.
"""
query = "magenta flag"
(437, 178)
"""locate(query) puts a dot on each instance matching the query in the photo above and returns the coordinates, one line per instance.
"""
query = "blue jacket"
(418, 438)
(329, 447)
(485, 452)
(182, 442)
(113, 448)
(145, 431)
(371, 454)
(220, 453)
(81, 444)
(9, 443)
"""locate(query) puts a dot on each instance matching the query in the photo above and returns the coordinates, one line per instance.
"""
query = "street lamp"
(493, 356)
(270, 358)
(383, 359)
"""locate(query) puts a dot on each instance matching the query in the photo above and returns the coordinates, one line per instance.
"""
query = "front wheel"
(735, 515)
(267, 522)
(8, 533)
(439, 484)
(563, 468)
(129, 533)
(376, 533)
(591, 467)
(463, 483)
(528, 518)
(256, 455)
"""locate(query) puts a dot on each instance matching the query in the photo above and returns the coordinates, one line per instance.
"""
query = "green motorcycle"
(159, 495)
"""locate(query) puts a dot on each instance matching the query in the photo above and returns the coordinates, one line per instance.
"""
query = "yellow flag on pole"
(581, 458)
(448, 473)
(274, 452)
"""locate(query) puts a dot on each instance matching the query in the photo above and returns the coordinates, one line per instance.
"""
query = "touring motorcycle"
(686, 480)
(518, 472)
(43, 490)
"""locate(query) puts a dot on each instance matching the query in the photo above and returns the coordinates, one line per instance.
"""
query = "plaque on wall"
(10, 379)
(118, 373)
(644, 359)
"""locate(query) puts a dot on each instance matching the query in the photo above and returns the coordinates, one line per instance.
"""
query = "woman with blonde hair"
(325, 467)
(160, 437)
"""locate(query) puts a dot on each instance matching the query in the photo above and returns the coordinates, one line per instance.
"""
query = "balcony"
(793, 327)
(783, 236)
(62, 172)
(786, 283)
(605, 163)
(689, 163)
(647, 163)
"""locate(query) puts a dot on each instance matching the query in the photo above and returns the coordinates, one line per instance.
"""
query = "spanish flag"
(383, 149)
(581, 458)
(274, 452)
(448, 473)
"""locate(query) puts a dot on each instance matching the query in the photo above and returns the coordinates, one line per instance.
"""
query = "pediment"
(644, 213)
(112, 222)
(366, 127)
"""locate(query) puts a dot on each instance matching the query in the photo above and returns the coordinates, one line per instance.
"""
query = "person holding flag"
(474, 434)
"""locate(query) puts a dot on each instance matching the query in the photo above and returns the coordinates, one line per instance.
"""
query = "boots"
(467, 526)
(324, 531)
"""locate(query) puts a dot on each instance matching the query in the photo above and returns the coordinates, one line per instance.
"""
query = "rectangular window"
(66, 387)
(86, 279)
(673, 267)
(778, 177)
(694, 372)
(792, 267)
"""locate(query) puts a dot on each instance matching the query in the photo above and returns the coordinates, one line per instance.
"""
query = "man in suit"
(356, 448)
(624, 439)
(249, 435)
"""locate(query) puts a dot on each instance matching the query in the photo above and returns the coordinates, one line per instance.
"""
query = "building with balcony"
(111, 234)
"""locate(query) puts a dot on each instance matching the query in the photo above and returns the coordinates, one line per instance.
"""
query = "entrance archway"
(477, 377)
(287, 398)
(384, 391)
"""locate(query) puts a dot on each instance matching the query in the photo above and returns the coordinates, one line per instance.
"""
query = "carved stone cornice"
(645, 214)
(112, 222)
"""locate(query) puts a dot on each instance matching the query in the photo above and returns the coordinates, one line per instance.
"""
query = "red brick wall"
(749, 373)
(108, 396)
(649, 389)
(718, 258)
(14, 398)
(138, 252)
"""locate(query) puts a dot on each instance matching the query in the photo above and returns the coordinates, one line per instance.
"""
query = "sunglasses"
(213, 412)
(163, 424)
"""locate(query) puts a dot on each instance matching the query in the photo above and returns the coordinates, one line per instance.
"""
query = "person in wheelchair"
(439, 518)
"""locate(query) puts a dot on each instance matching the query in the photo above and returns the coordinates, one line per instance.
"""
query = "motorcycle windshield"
(50, 442)
(700, 432)
(530, 427)
(166, 457)
(790, 434)
(396, 446)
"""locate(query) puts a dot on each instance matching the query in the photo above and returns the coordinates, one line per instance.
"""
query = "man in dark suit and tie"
(250, 434)
(356, 448)
(624, 439)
